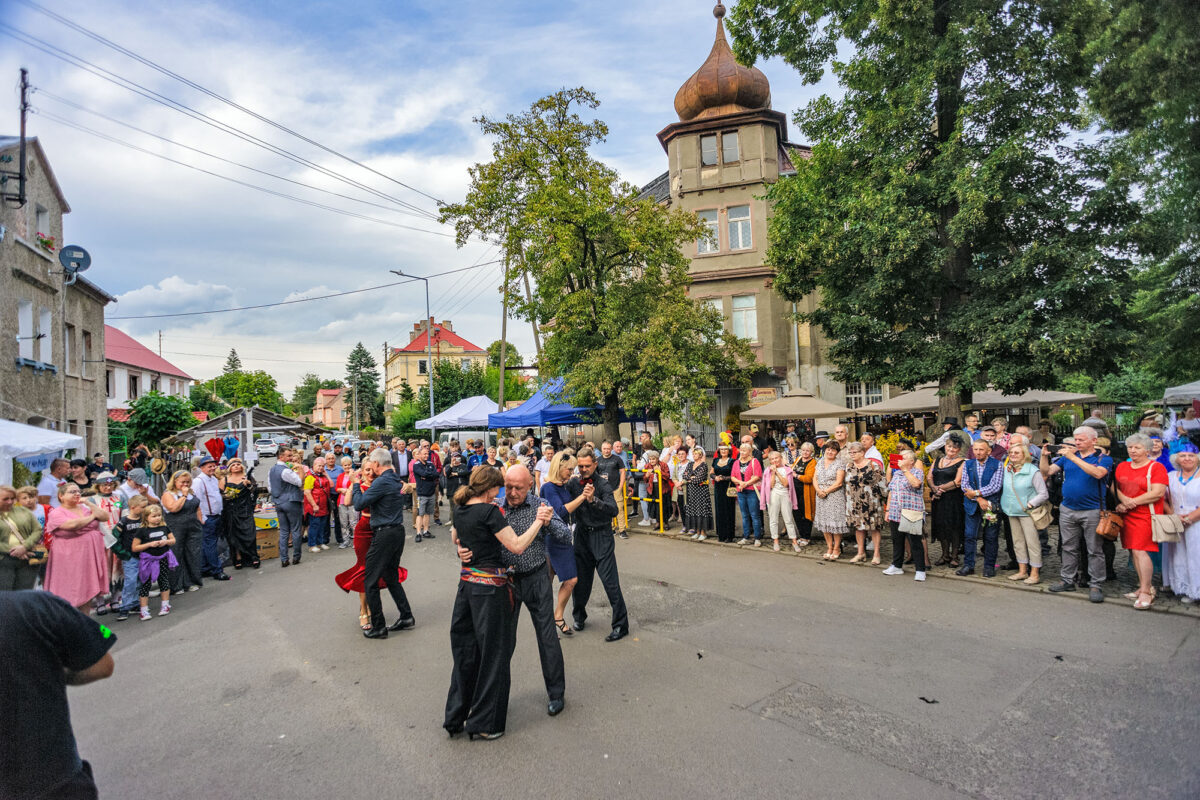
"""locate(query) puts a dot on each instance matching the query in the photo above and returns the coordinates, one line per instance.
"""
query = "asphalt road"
(746, 675)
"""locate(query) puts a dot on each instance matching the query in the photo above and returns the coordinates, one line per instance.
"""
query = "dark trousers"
(1002, 521)
(335, 520)
(480, 642)
(535, 590)
(81, 786)
(212, 536)
(16, 574)
(188, 551)
(289, 515)
(383, 562)
(916, 543)
(595, 553)
(991, 544)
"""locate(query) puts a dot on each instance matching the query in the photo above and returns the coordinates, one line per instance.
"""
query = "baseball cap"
(138, 476)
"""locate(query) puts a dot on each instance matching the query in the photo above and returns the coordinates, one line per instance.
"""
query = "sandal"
(775, 546)
(835, 555)
(876, 561)
(1143, 606)
(1134, 594)
(364, 621)
(858, 558)
(564, 627)
(795, 545)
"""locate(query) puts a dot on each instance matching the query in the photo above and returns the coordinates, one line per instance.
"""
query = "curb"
(1179, 610)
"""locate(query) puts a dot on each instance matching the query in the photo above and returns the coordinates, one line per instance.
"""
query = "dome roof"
(721, 85)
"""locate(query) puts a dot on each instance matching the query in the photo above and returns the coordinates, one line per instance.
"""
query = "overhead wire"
(72, 104)
(147, 62)
(300, 299)
(84, 129)
(199, 116)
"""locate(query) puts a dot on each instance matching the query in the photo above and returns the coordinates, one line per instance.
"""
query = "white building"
(131, 369)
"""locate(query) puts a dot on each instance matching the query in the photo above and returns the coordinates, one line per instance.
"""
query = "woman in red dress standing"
(1140, 482)
(352, 579)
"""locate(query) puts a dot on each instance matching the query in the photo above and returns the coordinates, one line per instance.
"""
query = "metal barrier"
(659, 483)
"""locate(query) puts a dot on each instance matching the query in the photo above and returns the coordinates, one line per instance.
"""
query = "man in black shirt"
(594, 549)
(386, 500)
(612, 468)
(425, 475)
(46, 646)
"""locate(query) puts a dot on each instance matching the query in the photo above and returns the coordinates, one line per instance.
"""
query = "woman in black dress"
(237, 517)
(697, 513)
(804, 470)
(722, 472)
(480, 627)
(947, 516)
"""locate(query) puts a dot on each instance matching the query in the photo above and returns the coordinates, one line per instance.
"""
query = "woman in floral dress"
(830, 515)
(865, 501)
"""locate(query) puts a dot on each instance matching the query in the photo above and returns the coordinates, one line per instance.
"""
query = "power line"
(207, 154)
(124, 51)
(188, 111)
(272, 359)
(62, 121)
(299, 300)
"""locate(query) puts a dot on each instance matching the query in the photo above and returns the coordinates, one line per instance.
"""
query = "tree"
(201, 398)
(608, 266)
(154, 416)
(511, 357)
(304, 398)
(258, 389)
(515, 385)
(406, 394)
(945, 216)
(1145, 93)
(403, 420)
(362, 378)
(1134, 385)
(452, 383)
(232, 362)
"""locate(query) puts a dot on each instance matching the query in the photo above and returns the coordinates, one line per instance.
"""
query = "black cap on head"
(950, 421)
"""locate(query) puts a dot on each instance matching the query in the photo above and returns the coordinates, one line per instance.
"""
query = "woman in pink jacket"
(778, 499)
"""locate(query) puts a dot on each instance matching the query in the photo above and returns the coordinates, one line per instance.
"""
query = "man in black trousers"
(386, 500)
(531, 581)
(594, 548)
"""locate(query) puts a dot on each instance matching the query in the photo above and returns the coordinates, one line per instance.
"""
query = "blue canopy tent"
(538, 411)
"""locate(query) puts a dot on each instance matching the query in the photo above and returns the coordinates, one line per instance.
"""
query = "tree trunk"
(949, 404)
(612, 418)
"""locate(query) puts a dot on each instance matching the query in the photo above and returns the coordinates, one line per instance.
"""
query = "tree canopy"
(304, 398)
(946, 216)
(362, 377)
(154, 416)
(609, 272)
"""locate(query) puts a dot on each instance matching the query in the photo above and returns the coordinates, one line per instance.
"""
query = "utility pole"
(160, 344)
(503, 335)
(19, 173)
(385, 383)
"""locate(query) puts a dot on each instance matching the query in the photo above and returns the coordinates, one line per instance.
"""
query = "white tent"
(470, 412)
(1181, 395)
(33, 446)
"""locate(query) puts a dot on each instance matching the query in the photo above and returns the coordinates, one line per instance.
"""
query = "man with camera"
(595, 552)
(1085, 471)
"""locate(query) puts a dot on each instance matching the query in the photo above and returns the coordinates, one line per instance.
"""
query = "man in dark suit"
(982, 482)
(595, 553)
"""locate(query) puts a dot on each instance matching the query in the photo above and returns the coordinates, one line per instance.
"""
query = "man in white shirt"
(52, 478)
(136, 482)
(208, 490)
(867, 440)
(542, 467)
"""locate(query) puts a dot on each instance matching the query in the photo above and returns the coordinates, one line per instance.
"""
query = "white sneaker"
(193, 588)
(166, 609)
(314, 549)
(893, 570)
(324, 547)
(144, 614)
(695, 537)
(701, 538)
(645, 524)
(920, 576)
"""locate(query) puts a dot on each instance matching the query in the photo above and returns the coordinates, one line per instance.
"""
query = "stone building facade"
(52, 365)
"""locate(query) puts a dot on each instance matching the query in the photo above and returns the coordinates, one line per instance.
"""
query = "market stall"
(32, 446)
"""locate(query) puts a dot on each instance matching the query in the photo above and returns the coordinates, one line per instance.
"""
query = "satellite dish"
(74, 259)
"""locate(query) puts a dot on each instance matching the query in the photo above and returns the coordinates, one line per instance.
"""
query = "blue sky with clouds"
(394, 85)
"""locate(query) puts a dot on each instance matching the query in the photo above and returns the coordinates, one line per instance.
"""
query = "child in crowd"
(27, 496)
(153, 542)
(127, 525)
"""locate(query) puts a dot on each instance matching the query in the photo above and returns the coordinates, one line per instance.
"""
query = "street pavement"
(746, 675)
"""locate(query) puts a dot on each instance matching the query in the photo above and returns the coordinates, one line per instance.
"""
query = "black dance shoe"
(403, 624)
(579, 625)
(965, 570)
(375, 633)
(555, 707)
(616, 635)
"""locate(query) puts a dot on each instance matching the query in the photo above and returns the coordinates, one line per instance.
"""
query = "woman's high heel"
(564, 627)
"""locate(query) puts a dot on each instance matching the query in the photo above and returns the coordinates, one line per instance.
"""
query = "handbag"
(912, 521)
(36, 557)
(731, 492)
(1164, 528)
(1111, 523)
(1041, 516)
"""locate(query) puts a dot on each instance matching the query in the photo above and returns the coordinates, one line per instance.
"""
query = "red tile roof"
(330, 392)
(122, 415)
(201, 416)
(124, 349)
(442, 336)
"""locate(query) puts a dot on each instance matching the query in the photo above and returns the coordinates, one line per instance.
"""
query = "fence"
(625, 497)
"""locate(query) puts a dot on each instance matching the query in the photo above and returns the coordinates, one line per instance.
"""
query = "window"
(739, 228)
(745, 317)
(133, 387)
(716, 304)
(69, 349)
(42, 220)
(45, 337)
(466, 363)
(154, 383)
(108, 383)
(84, 369)
(25, 330)
(710, 242)
(422, 367)
(729, 147)
(708, 150)
(860, 394)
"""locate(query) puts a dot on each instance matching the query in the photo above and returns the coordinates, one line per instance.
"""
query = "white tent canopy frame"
(18, 440)
(1181, 395)
(470, 412)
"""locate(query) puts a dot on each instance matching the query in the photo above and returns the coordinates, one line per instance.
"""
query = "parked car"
(266, 447)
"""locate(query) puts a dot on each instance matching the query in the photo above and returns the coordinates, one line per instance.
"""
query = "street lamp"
(428, 347)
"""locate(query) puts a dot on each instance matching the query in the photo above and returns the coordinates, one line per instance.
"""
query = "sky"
(394, 85)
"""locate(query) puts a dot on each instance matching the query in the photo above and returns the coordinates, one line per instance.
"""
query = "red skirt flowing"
(352, 579)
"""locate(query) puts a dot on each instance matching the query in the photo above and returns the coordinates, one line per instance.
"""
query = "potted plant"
(45, 242)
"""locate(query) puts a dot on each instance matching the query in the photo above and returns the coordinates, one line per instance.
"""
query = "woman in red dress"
(352, 579)
(1140, 482)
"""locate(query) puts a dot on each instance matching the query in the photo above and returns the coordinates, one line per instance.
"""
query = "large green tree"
(233, 362)
(154, 416)
(945, 216)
(1146, 93)
(203, 398)
(512, 358)
(362, 378)
(258, 388)
(304, 398)
(451, 383)
(608, 267)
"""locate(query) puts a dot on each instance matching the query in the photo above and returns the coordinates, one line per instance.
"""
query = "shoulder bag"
(1041, 516)
(1164, 528)
(36, 557)
(912, 521)
(1111, 522)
